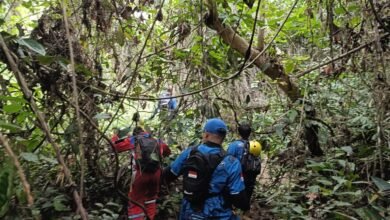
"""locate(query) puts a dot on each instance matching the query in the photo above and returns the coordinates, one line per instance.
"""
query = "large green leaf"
(368, 213)
(9, 126)
(381, 184)
(12, 99)
(348, 150)
(292, 115)
(12, 108)
(32, 45)
(31, 157)
(45, 60)
(58, 203)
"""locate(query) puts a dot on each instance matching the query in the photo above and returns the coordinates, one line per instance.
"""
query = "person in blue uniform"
(166, 103)
(226, 187)
(238, 149)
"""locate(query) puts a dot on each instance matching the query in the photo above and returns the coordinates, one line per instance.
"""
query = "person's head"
(214, 130)
(244, 130)
(137, 130)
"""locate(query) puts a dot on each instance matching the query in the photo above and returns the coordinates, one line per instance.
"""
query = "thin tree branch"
(277, 33)
(248, 51)
(75, 100)
(207, 87)
(135, 71)
(10, 9)
(44, 126)
(26, 185)
(161, 50)
(378, 19)
(62, 113)
(339, 57)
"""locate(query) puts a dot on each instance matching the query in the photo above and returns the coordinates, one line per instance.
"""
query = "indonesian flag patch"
(192, 174)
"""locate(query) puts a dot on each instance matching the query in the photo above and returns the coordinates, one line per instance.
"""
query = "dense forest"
(310, 76)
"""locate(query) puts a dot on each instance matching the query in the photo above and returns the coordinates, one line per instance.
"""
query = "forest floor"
(259, 209)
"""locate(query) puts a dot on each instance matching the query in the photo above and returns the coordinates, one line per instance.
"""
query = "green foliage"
(51, 202)
(384, 187)
(6, 186)
(170, 205)
(183, 54)
(106, 211)
(32, 45)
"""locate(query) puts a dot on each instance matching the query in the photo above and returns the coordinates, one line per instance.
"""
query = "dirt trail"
(258, 210)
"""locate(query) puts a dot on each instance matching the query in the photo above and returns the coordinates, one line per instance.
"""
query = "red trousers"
(144, 191)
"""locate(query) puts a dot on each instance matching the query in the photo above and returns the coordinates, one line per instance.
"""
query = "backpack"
(147, 153)
(197, 171)
(122, 144)
(249, 162)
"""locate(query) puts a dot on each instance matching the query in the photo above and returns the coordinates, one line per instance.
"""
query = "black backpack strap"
(246, 142)
(215, 159)
(246, 146)
(193, 150)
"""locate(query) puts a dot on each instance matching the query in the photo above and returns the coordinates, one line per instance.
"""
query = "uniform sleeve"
(178, 163)
(232, 149)
(172, 104)
(235, 180)
(132, 142)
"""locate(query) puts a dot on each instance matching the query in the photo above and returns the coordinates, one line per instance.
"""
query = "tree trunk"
(269, 66)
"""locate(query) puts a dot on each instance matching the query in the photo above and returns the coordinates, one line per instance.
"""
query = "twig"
(75, 100)
(118, 15)
(161, 50)
(322, 122)
(44, 126)
(26, 185)
(339, 57)
(62, 113)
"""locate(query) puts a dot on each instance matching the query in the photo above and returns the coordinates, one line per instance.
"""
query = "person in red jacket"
(145, 185)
